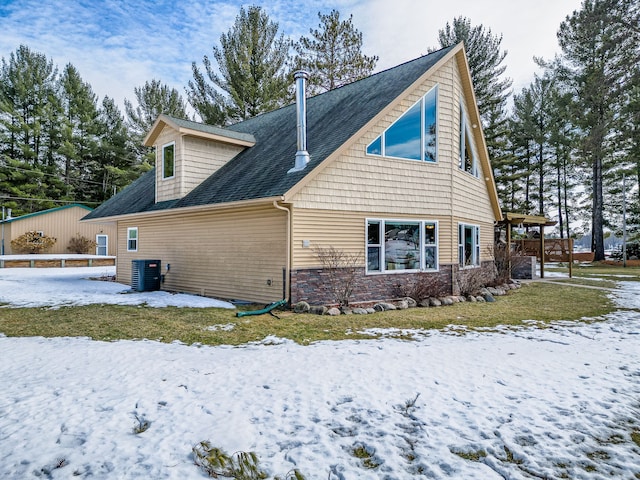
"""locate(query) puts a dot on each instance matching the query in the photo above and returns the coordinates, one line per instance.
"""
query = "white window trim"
(383, 270)
(106, 244)
(174, 160)
(464, 133)
(475, 254)
(422, 133)
(130, 229)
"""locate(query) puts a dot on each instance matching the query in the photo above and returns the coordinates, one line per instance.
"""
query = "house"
(393, 167)
(63, 224)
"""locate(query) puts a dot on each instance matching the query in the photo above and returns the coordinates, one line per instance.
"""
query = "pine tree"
(29, 129)
(79, 135)
(252, 60)
(153, 98)
(487, 69)
(520, 169)
(562, 140)
(333, 54)
(208, 103)
(118, 165)
(599, 52)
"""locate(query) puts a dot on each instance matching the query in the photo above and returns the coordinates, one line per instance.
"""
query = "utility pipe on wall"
(287, 285)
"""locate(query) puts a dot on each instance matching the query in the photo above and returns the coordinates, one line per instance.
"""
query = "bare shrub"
(342, 271)
(471, 280)
(421, 286)
(504, 258)
(32, 242)
(81, 244)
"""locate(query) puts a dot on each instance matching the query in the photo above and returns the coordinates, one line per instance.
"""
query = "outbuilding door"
(102, 244)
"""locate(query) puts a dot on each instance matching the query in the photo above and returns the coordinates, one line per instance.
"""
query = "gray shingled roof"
(261, 171)
(212, 129)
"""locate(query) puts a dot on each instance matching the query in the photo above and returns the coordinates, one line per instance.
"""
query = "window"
(168, 160)
(102, 245)
(468, 156)
(413, 136)
(132, 239)
(468, 245)
(400, 245)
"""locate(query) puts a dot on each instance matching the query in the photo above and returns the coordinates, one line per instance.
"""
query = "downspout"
(287, 275)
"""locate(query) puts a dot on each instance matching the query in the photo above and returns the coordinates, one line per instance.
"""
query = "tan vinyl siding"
(195, 160)
(202, 158)
(331, 209)
(63, 225)
(169, 188)
(229, 255)
(361, 182)
(346, 231)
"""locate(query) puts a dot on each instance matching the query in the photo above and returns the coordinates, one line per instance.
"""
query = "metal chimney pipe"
(302, 156)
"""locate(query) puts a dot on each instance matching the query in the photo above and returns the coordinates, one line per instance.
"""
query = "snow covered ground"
(56, 287)
(518, 403)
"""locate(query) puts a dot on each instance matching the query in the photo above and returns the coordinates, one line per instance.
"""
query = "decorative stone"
(411, 302)
(370, 310)
(301, 307)
(479, 299)
(461, 298)
(384, 306)
(346, 310)
(434, 302)
(424, 303)
(489, 298)
(334, 311)
(360, 311)
(318, 310)
(471, 298)
(455, 298)
(446, 301)
(402, 305)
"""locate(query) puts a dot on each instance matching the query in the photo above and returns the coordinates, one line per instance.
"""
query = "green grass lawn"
(542, 302)
(595, 274)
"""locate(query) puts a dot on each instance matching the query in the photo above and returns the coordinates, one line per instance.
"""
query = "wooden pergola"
(510, 219)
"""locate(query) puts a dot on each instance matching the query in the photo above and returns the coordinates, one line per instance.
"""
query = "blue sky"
(119, 44)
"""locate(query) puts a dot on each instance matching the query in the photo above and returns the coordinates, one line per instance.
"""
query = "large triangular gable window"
(414, 135)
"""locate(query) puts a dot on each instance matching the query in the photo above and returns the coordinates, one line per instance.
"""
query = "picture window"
(401, 245)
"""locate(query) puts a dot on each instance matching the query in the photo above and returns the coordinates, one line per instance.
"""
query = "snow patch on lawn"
(517, 403)
(57, 287)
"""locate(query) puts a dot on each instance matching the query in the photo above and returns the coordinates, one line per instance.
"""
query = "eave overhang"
(194, 129)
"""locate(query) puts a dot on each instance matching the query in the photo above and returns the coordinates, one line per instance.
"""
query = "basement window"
(414, 135)
(401, 245)
(168, 160)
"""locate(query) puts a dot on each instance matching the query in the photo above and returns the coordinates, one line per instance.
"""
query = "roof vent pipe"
(302, 156)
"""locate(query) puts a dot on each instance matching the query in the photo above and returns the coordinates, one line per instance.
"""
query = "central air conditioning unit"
(145, 275)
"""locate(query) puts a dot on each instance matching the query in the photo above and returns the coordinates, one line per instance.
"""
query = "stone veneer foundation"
(313, 286)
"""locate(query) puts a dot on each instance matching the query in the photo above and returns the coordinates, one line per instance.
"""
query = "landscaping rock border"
(486, 294)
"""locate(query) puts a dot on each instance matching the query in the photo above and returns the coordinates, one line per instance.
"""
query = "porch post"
(509, 246)
(542, 251)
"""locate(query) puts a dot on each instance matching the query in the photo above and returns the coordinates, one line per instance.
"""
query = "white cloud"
(119, 45)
